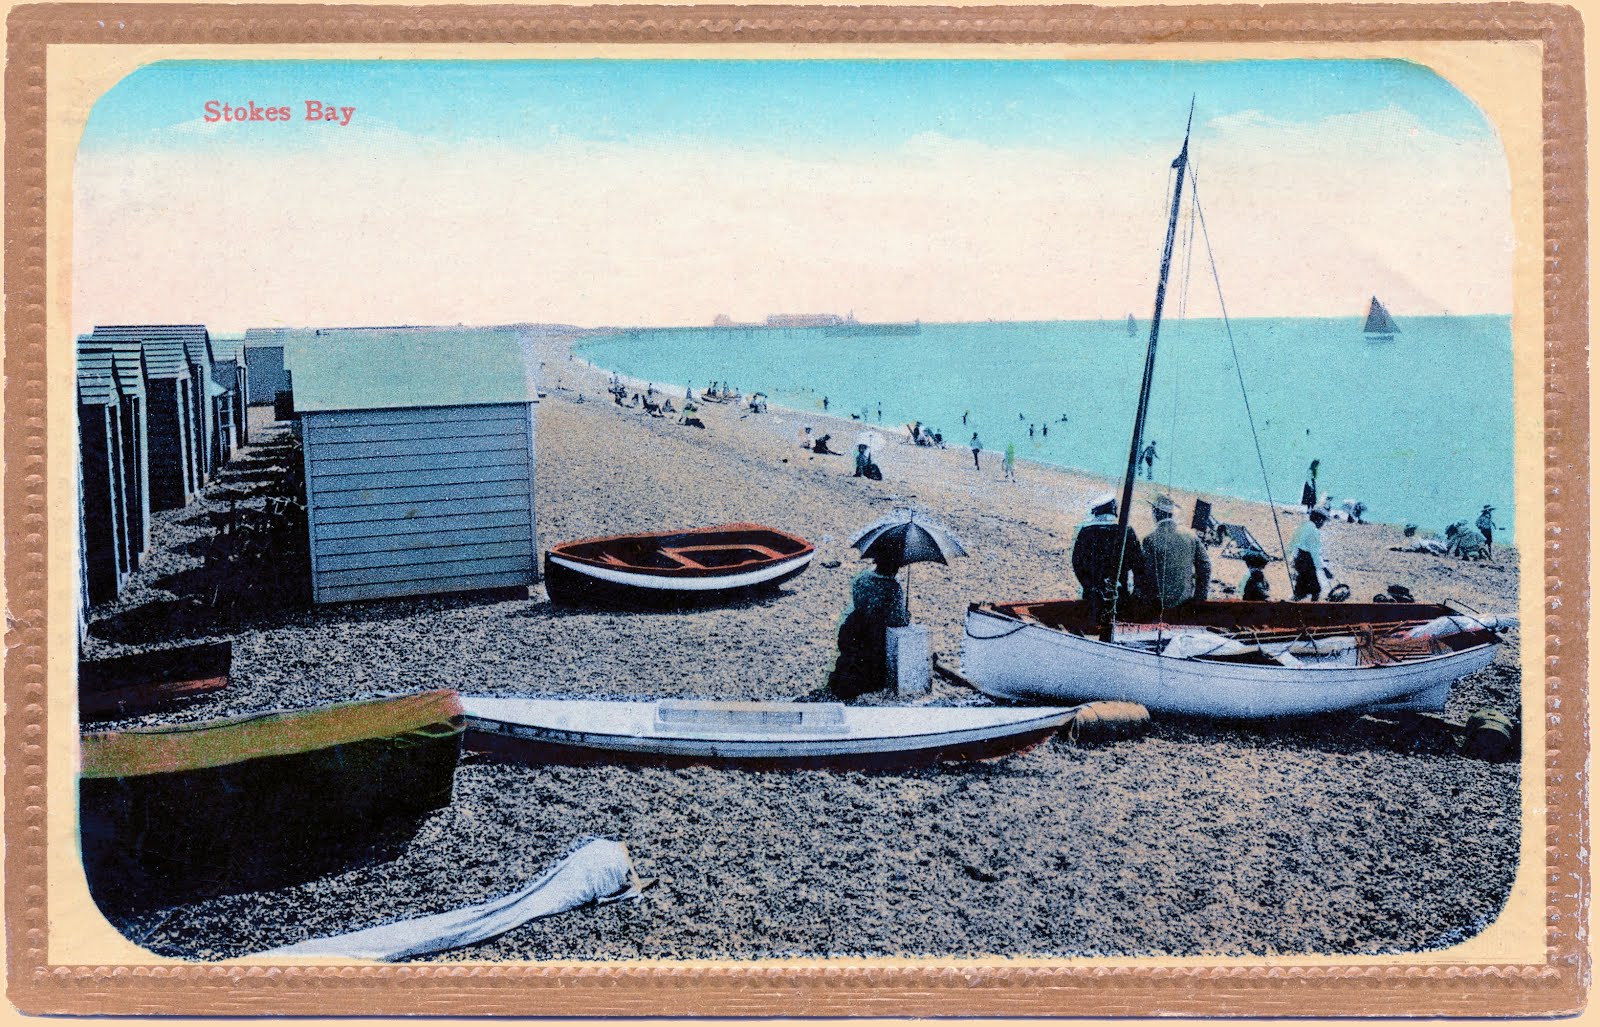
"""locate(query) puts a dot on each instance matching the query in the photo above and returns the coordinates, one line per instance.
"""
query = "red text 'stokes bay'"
(315, 110)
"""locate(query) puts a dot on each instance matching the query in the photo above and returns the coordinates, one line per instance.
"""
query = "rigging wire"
(1237, 368)
(1183, 312)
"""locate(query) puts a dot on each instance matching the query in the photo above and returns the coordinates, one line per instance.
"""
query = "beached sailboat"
(1227, 658)
(1133, 326)
(673, 568)
(1380, 327)
(755, 735)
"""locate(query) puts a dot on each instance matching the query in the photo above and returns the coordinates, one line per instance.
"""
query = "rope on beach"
(1237, 369)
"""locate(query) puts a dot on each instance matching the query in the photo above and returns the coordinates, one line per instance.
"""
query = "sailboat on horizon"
(1380, 326)
(1133, 326)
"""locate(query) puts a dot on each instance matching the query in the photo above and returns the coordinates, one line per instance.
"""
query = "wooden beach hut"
(124, 361)
(202, 394)
(227, 372)
(419, 461)
(105, 530)
(172, 476)
(263, 357)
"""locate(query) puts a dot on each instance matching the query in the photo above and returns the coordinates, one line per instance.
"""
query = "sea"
(1420, 428)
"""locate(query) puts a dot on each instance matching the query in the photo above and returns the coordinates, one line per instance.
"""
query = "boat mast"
(1124, 511)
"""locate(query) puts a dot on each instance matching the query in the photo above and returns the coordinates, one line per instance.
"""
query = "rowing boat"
(756, 735)
(1227, 658)
(125, 686)
(674, 568)
(254, 801)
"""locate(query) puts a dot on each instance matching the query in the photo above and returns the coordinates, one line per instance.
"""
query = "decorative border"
(1558, 985)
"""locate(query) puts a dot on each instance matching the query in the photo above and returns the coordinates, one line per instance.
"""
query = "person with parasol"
(877, 602)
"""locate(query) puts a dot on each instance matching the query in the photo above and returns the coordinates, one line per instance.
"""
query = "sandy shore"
(1196, 839)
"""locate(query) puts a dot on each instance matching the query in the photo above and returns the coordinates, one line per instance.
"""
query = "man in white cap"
(1177, 566)
(1104, 568)
(1305, 557)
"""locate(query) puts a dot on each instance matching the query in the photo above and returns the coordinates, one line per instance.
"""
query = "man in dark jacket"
(1107, 572)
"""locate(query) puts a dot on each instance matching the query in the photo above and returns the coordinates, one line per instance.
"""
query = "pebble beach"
(1197, 839)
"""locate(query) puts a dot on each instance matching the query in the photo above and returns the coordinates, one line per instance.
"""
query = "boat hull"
(674, 569)
(585, 732)
(126, 686)
(1019, 661)
(252, 802)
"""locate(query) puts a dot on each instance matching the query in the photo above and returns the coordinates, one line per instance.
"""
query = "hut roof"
(125, 358)
(97, 383)
(166, 354)
(373, 370)
(227, 348)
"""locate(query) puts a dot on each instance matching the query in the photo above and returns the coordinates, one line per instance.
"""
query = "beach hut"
(230, 372)
(105, 541)
(263, 358)
(124, 361)
(195, 343)
(419, 461)
(170, 462)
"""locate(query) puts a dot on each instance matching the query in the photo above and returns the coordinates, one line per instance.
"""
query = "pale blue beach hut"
(419, 460)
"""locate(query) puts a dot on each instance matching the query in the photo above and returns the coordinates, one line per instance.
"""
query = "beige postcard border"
(1558, 984)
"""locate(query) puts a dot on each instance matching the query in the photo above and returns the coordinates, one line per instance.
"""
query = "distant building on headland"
(803, 320)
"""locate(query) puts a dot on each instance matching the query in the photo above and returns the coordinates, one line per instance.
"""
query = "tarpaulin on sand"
(597, 872)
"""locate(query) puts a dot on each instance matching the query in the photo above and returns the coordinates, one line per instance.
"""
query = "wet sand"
(1197, 839)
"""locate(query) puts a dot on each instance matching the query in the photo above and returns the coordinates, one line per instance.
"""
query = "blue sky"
(777, 106)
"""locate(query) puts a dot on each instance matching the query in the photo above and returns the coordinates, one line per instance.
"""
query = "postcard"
(766, 511)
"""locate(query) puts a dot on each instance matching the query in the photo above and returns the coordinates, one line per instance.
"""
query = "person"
(880, 413)
(1176, 564)
(824, 404)
(1487, 525)
(1044, 430)
(805, 438)
(1030, 431)
(863, 460)
(1254, 587)
(1103, 568)
(876, 605)
(691, 416)
(964, 414)
(1465, 541)
(1149, 458)
(1305, 557)
(1308, 491)
(667, 407)
(977, 447)
(821, 446)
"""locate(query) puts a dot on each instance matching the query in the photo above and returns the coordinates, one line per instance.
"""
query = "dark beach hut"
(419, 460)
(172, 476)
(263, 357)
(105, 529)
(203, 392)
(232, 374)
(124, 361)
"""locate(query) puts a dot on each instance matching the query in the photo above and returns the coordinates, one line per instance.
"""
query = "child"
(1254, 587)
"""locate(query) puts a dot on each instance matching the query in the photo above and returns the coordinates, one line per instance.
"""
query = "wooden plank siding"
(171, 484)
(418, 501)
(264, 365)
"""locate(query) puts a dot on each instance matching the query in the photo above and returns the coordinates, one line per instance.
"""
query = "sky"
(667, 192)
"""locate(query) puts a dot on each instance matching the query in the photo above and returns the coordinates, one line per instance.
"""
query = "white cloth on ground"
(597, 872)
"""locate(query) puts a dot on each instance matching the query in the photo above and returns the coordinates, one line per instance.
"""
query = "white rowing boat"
(1047, 652)
(757, 734)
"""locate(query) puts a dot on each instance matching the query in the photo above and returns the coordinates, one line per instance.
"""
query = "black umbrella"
(906, 540)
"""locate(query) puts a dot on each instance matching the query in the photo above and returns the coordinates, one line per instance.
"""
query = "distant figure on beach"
(1009, 464)
(1021, 418)
(876, 605)
(880, 413)
(667, 407)
(821, 446)
(1254, 586)
(977, 447)
(1487, 525)
(824, 404)
(1106, 571)
(1148, 458)
(1030, 431)
(581, 399)
(1044, 430)
(1308, 491)
(964, 417)
(1465, 541)
(805, 438)
(865, 467)
(688, 393)
(1177, 567)
(1305, 557)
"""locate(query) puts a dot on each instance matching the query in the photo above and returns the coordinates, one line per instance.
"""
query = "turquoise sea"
(1420, 429)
